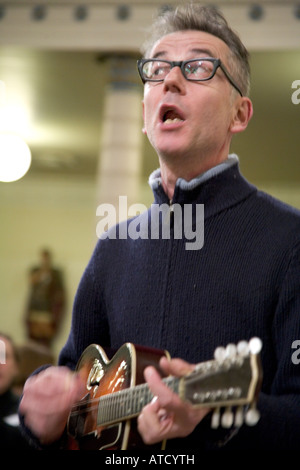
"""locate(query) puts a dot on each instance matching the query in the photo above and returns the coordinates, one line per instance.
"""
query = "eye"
(156, 70)
(199, 69)
(159, 69)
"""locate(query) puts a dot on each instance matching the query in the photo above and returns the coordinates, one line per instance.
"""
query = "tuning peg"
(230, 351)
(255, 345)
(220, 354)
(252, 416)
(243, 348)
(239, 416)
(227, 418)
(215, 419)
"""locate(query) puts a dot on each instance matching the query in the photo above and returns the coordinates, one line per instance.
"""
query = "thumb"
(77, 388)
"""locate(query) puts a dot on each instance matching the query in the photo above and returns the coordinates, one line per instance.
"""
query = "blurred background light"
(15, 157)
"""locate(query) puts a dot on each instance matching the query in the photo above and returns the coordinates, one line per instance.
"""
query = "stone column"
(120, 158)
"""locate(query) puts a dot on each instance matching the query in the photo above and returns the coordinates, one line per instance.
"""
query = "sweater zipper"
(171, 213)
(167, 282)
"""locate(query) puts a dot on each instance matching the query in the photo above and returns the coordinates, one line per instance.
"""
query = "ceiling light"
(256, 12)
(15, 157)
(123, 12)
(39, 12)
(81, 13)
(297, 11)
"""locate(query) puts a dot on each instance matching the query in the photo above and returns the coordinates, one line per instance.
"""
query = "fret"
(127, 403)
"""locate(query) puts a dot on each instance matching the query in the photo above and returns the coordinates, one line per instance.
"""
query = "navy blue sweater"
(243, 282)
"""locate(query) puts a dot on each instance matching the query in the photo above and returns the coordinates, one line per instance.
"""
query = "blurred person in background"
(46, 301)
(10, 434)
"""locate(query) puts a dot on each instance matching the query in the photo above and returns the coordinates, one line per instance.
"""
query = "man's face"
(185, 119)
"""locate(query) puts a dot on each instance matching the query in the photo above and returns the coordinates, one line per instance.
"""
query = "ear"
(144, 129)
(242, 116)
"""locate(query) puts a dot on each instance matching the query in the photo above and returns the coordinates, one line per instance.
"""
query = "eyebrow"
(194, 51)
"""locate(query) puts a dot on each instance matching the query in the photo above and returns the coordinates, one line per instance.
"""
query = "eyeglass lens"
(192, 70)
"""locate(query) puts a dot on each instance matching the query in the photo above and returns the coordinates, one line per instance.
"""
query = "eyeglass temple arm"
(229, 77)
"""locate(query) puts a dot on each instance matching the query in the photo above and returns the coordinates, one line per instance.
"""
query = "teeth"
(171, 121)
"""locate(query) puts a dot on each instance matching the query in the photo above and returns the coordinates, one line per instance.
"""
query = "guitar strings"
(170, 381)
(82, 406)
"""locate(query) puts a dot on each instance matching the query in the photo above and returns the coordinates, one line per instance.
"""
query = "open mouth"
(171, 116)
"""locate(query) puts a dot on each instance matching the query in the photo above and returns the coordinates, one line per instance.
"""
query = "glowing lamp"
(15, 157)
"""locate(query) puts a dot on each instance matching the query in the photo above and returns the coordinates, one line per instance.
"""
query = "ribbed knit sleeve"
(89, 320)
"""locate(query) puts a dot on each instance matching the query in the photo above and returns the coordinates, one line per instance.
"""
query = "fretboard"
(128, 403)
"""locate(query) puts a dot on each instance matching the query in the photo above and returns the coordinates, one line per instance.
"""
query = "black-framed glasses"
(199, 70)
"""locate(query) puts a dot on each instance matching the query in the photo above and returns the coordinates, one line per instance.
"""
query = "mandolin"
(116, 392)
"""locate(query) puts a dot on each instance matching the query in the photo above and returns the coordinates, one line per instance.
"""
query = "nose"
(175, 81)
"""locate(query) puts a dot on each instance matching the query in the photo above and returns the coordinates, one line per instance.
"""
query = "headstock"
(230, 382)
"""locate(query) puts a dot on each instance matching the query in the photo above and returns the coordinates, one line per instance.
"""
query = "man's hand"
(47, 401)
(167, 416)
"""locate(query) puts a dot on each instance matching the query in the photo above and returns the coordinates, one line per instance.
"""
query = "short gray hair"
(207, 19)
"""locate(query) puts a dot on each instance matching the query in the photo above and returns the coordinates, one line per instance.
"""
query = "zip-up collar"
(218, 188)
(155, 178)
